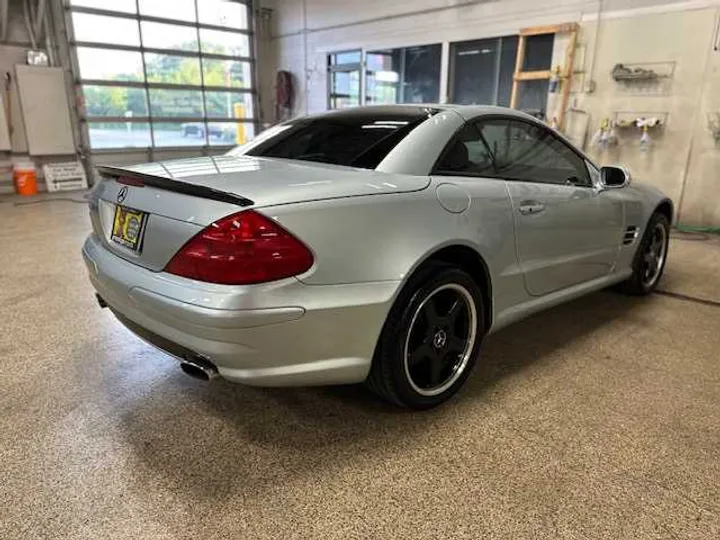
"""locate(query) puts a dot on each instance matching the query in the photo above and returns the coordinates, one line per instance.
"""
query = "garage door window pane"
(102, 29)
(228, 105)
(227, 73)
(181, 10)
(119, 135)
(228, 133)
(176, 134)
(176, 102)
(165, 68)
(229, 43)
(103, 64)
(114, 101)
(124, 6)
(169, 36)
(223, 13)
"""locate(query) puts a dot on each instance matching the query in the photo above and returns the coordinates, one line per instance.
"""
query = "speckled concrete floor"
(599, 419)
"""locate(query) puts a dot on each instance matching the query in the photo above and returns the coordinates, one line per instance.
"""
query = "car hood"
(271, 181)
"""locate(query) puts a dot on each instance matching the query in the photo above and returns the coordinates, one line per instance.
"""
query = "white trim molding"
(689, 5)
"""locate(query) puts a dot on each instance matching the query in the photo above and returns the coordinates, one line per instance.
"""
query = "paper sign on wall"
(65, 176)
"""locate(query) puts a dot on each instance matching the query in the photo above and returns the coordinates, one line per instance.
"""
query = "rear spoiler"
(176, 186)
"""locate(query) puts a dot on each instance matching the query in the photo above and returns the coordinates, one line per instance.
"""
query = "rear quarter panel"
(386, 237)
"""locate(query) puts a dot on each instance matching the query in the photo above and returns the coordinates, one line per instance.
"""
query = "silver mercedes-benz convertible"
(377, 244)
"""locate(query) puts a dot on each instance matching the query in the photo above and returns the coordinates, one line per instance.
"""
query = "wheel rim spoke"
(422, 352)
(431, 315)
(456, 344)
(454, 312)
(436, 369)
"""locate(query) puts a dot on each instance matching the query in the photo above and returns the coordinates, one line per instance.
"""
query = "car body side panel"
(419, 150)
(355, 242)
(573, 239)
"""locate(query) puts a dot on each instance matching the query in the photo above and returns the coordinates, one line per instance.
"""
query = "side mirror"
(614, 177)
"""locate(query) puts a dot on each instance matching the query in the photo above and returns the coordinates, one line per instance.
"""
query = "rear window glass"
(354, 140)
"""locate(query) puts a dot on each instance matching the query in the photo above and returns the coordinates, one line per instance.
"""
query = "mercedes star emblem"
(122, 194)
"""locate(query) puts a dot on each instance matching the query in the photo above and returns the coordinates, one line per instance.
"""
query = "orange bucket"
(25, 179)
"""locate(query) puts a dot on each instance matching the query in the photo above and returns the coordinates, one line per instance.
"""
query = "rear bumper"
(283, 333)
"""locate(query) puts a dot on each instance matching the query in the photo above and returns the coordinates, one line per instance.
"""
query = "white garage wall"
(331, 25)
(684, 161)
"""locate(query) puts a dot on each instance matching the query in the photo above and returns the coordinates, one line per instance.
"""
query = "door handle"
(531, 207)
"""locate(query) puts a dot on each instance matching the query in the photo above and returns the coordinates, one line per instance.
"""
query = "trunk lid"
(174, 200)
(269, 181)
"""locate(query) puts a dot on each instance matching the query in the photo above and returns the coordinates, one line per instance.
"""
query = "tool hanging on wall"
(644, 139)
(284, 96)
(605, 135)
(645, 124)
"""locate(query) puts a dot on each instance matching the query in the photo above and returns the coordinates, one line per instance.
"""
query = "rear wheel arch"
(469, 260)
(465, 258)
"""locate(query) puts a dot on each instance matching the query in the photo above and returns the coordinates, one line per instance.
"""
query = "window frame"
(477, 122)
(348, 67)
(206, 142)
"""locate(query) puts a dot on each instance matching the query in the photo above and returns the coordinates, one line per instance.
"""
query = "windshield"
(354, 138)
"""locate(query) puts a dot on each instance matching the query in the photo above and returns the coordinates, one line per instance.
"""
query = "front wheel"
(430, 340)
(649, 261)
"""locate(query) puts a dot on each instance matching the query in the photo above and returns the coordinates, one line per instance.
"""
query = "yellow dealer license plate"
(128, 227)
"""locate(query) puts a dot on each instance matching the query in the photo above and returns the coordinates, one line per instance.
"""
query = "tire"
(430, 340)
(645, 278)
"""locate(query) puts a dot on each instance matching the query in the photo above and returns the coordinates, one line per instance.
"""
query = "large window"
(158, 77)
(409, 75)
(482, 72)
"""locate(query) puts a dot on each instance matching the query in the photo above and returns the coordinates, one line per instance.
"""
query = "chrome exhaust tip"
(199, 368)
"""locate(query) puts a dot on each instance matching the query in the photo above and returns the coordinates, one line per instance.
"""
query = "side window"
(465, 155)
(524, 151)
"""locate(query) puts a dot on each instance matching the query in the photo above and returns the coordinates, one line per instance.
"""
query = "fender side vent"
(631, 233)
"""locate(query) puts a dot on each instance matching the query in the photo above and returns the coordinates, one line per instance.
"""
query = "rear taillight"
(241, 249)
